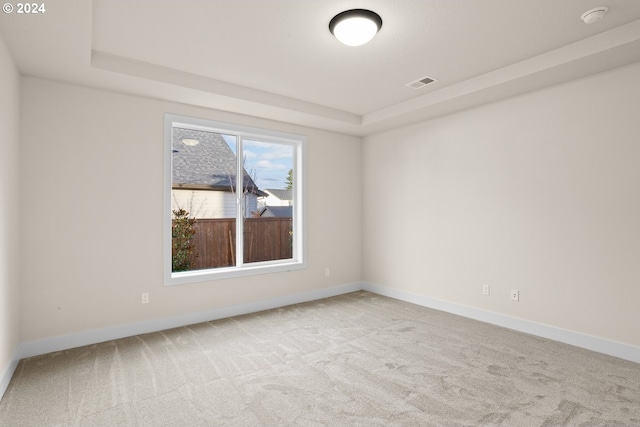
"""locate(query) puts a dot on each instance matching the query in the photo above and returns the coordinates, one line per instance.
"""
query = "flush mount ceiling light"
(190, 142)
(355, 27)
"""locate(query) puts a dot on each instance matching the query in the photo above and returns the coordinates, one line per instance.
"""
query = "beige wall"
(92, 180)
(538, 193)
(9, 211)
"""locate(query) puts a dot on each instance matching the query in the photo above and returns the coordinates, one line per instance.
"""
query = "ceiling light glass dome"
(355, 27)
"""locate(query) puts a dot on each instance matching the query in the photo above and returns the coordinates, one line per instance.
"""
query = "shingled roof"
(209, 164)
(280, 194)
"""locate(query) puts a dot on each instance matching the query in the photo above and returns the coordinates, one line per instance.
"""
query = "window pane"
(268, 201)
(203, 199)
(234, 201)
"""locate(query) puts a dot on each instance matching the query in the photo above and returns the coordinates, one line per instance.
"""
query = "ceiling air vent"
(422, 82)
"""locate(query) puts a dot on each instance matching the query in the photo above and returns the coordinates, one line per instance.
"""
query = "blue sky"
(266, 162)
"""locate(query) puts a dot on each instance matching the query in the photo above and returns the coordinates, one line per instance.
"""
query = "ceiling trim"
(624, 40)
(611, 49)
(131, 67)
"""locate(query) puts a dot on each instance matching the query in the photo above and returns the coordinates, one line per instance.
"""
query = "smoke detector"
(594, 15)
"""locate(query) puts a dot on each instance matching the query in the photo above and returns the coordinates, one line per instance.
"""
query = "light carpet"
(354, 360)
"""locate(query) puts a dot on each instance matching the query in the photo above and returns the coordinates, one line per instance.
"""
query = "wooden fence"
(265, 239)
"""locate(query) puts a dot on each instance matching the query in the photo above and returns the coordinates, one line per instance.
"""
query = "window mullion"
(239, 203)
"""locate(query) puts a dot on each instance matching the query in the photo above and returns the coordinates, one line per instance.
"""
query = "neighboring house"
(277, 211)
(203, 176)
(276, 198)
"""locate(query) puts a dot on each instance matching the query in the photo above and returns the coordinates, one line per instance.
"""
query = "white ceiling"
(277, 59)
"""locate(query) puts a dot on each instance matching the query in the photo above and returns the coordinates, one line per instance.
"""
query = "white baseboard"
(65, 342)
(94, 336)
(578, 339)
(7, 373)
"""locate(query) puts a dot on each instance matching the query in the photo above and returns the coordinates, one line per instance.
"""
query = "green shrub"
(183, 250)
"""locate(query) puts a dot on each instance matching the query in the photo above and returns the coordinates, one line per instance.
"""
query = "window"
(234, 201)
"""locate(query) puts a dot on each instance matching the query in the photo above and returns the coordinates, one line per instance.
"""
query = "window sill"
(198, 276)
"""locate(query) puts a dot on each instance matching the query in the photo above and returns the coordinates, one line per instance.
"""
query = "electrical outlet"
(515, 295)
(327, 272)
(145, 298)
(486, 289)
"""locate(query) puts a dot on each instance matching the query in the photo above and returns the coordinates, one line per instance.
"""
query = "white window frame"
(299, 258)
